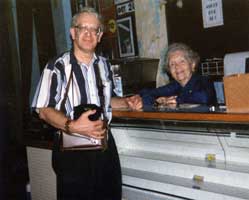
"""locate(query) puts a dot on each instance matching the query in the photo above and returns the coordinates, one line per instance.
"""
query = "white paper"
(235, 63)
(212, 13)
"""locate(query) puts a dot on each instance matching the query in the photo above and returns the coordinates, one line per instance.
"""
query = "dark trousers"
(88, 175)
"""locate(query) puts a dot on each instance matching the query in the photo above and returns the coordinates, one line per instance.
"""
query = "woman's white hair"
(189, 54)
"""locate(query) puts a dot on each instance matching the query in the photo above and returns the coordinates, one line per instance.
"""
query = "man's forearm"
(53, 117)
(134, 102)
(119, 102)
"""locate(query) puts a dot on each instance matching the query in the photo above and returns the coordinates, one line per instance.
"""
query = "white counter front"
(178, 161)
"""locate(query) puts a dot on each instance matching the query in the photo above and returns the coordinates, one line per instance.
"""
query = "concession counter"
(167, 154)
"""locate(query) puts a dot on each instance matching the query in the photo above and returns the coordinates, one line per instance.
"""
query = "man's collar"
(96, 59)
(74, 61)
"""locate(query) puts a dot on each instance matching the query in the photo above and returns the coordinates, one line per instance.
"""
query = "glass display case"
(183, 155)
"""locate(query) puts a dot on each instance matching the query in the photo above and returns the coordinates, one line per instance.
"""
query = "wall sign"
(212, 13)
(125, 8)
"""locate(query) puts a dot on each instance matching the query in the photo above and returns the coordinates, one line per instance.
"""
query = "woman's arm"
(149, 96)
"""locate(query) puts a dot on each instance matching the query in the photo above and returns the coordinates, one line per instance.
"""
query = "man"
(82, 174)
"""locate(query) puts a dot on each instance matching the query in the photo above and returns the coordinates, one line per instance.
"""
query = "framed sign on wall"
(212, 13)
(125, 37)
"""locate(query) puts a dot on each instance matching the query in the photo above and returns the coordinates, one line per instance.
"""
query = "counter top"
(184, 116)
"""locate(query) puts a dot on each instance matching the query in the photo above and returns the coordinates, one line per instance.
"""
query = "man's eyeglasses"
(91, 30)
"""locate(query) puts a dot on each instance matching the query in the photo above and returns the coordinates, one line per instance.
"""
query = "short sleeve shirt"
(82, 89)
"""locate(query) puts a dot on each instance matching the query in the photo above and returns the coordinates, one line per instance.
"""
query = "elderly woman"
(187, 87)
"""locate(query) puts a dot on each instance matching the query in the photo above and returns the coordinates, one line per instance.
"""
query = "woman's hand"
(166, 100)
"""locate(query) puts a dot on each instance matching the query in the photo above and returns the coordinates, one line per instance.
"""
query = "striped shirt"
(82, 89)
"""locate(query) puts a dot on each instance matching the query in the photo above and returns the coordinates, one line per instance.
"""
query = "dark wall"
(15, 86)
(40, 13)
(186, 25)
(13, 166)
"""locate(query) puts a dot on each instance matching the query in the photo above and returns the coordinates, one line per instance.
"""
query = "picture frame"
(125, 37)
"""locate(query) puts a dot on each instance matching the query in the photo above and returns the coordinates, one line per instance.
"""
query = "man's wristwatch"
(67, 126)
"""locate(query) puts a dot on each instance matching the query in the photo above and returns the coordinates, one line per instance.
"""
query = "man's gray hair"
(88, 10)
